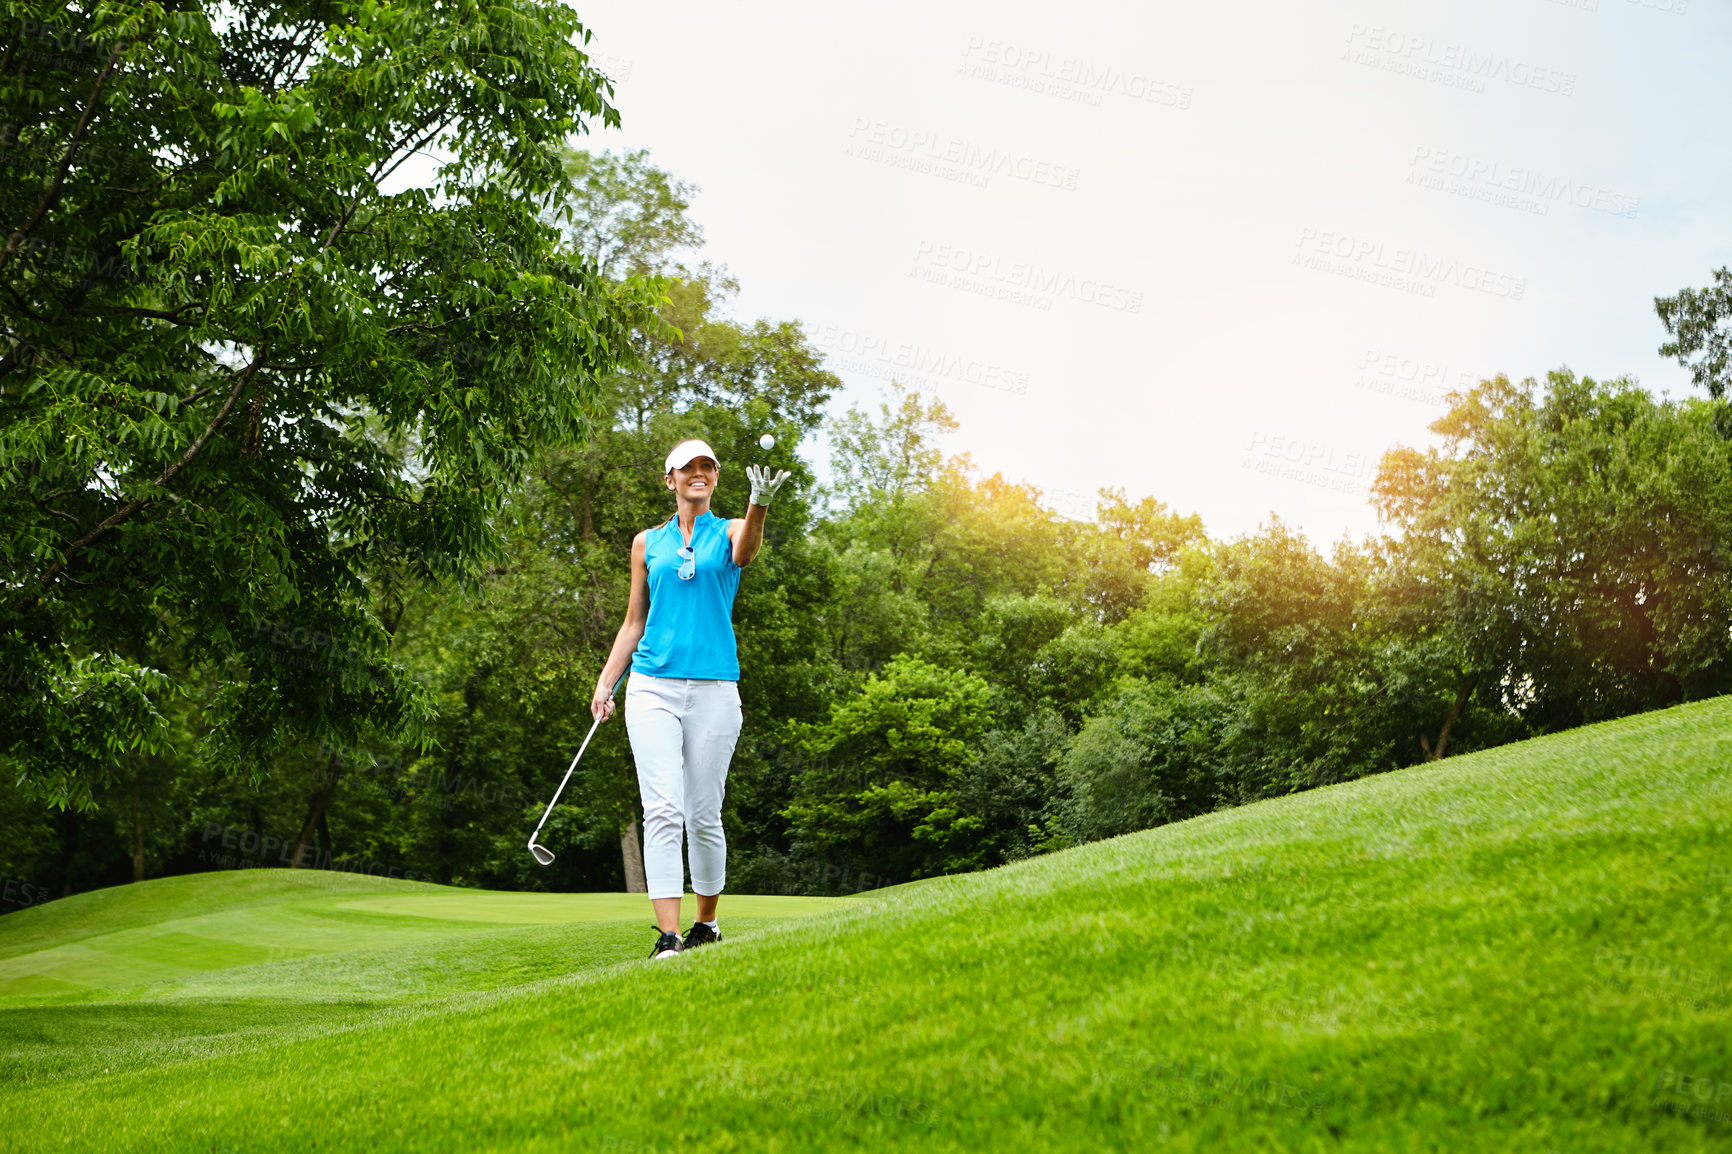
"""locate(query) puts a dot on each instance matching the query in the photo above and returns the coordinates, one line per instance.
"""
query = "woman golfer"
(682, 707)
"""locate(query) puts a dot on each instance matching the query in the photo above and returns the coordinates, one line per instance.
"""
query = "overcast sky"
(1221, 254)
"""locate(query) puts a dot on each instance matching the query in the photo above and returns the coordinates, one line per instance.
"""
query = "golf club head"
(542, 854)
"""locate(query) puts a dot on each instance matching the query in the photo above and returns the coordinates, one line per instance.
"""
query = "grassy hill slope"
(1523, 949)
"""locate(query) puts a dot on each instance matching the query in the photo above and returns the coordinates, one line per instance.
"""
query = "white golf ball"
(766, 442)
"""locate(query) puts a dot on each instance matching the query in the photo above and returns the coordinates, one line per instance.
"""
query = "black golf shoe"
(700, 935)
(667, 945)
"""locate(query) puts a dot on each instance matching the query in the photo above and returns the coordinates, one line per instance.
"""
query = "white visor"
(686, 452)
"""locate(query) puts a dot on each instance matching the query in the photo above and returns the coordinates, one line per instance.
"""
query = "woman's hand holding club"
(601, 703)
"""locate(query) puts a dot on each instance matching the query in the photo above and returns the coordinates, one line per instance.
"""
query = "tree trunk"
(315, 809)
(325, 837)
(69, 823)
(316, 815)
(1448, 722)
(137, 832)
(588, 504)
(631, 852)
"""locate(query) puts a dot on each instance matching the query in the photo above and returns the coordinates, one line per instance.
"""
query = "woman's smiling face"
(695, 480)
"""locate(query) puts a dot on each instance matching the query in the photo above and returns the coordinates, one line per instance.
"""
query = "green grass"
(1524, 949)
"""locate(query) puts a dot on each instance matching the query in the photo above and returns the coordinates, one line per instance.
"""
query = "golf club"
(542, 853)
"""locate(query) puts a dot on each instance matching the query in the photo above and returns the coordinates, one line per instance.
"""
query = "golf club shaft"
(572, 766)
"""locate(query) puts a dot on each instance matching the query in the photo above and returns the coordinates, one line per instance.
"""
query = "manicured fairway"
(1526, 949)
(176, 927)
(212, 963)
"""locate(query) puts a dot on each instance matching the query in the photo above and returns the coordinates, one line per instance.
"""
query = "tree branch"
(23, 306)
(133, 506)
(172, 318)
(374, 178)
(289, 44)
(52, 192)
(42, 503)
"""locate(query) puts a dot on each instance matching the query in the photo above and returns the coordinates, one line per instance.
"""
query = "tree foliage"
(1700, 324)
(241, 360)
(1572, 548)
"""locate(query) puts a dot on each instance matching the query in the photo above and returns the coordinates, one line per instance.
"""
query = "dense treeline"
(940, 673)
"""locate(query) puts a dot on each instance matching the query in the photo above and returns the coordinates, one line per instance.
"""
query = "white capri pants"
(683, 731)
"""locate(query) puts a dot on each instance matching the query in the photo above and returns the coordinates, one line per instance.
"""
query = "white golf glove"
(764, 486)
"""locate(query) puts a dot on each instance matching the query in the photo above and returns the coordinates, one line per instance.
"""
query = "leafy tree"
(1162, 637)
(1036, 649)
(1293, 628)
(1010, 787)
(1010, 632)
(868, 620)
(1574, 547)
(1125, 546)
(1700, 324)
(234, 366)
(1072, 673)
(879, 793)
(1158, 752)
(989, 536)
(626, 213)
(891, 460)
(878, 525)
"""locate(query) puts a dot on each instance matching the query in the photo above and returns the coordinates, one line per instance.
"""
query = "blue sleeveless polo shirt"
(690, 631)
